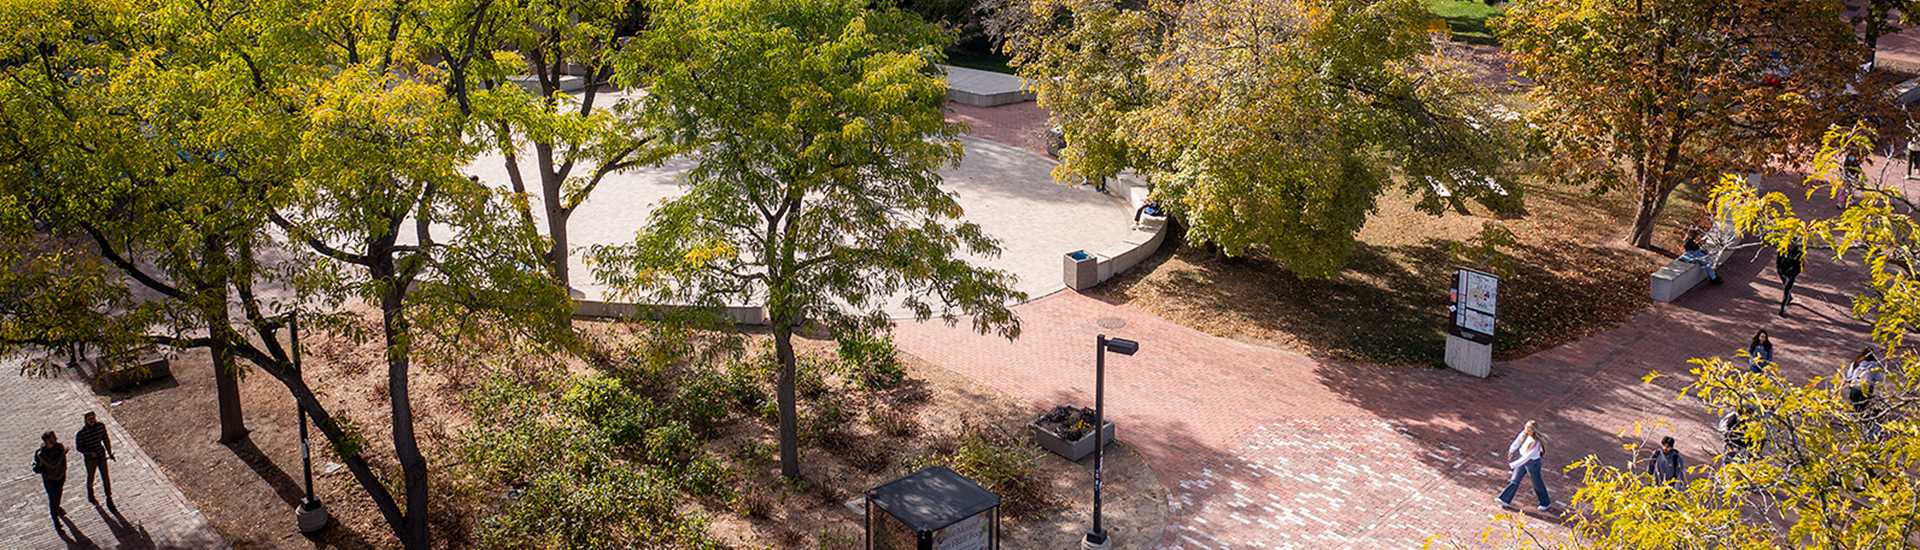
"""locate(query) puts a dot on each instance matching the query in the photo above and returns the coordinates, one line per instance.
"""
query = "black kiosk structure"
(932, 509)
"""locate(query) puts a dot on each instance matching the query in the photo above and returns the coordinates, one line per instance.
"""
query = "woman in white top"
(1524, 455)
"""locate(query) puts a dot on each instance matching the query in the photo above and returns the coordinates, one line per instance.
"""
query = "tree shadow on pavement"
(1588, 396)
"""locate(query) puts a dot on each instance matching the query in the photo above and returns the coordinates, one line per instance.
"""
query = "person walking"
(50, 461)
(1525, 456)
(1759, 352)
(1787, 265)
(1667, 467)
(95, 450)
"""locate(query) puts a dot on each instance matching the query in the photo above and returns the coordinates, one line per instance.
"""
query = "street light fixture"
(1097, 538)
(311, 516)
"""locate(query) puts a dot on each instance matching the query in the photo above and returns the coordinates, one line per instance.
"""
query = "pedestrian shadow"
(71, 534)
(129, 535)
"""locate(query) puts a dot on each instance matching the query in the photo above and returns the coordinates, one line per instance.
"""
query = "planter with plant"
(1068, 432)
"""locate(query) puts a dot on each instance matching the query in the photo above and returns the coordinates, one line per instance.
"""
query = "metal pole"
(1099, 426)
(306, 455)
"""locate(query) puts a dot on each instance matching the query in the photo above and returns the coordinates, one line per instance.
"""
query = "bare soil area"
(248, 490)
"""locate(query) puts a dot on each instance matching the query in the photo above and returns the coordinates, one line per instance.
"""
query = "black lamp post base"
(311, 516)
(1094, 541)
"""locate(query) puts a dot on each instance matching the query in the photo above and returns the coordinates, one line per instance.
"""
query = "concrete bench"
(1678, 277)
(984, 88)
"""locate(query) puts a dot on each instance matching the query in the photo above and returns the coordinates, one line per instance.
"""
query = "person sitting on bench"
(1696, 256)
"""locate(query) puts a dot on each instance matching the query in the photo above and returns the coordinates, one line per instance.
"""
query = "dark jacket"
(51, 462)
(1788, 263)
(1667, 467)
(92, 439)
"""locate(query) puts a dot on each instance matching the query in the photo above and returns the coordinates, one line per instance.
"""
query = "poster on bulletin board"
(1476, 301)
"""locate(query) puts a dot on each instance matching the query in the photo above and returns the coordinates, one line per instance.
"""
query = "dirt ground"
(1134, 503)
(248, 490)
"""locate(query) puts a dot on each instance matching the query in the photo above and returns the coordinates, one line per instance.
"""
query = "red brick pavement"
(1267, 448)
(149, 510)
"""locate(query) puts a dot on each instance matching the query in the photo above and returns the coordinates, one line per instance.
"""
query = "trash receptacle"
(1082, 270)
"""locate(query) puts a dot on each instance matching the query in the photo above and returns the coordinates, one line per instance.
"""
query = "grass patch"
(973, 59)
(1572, 276)
(1467, 19)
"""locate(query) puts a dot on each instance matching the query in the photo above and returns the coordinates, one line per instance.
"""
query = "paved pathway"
(151, 511)
(1000, 188)
(1268, 448)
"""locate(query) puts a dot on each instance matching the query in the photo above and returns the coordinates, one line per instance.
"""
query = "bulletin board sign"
(1475, 305)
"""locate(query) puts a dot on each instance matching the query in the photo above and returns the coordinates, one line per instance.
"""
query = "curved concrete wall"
(1117, 258)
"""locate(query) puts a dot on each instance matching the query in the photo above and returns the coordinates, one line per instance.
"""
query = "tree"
(240, 164)
(1265, 126)
(1647, 96)
(1822, 471)
(818, 129)
(1878, 19)
(493, 52)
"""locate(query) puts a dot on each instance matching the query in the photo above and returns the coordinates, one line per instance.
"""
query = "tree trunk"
(413, 466)
(226, 383)
(1652, 201)
(551, 181)
(558, 256)
(226, 378)
(789, 413)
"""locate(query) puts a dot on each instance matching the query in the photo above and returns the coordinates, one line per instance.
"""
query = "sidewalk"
(152, 513)
(1267, 448)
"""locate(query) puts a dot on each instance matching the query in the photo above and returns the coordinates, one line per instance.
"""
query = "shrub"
(605, 508)
(605, 403)
(999, 460)
(741, 384)
(565, 454)
(893, 422)
(871, 360)
(701, 401)
(810, 376)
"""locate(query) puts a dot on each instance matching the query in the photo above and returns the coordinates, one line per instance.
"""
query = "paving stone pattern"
(1263, 447)
(151, 511)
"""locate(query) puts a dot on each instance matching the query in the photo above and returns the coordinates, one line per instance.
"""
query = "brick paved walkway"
(1267, 448)
(151, 511)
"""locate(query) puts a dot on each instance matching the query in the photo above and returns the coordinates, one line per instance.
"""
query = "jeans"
(98, 462)
(1702, 259)
(1531, 468)
(54, 488)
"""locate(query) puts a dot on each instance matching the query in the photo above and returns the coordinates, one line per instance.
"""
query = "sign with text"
(1476, 301)
(973, 533)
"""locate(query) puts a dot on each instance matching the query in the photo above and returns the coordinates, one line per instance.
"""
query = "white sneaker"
(1548, 507)
(1502, 503)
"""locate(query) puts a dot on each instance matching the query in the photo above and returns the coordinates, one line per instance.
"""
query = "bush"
(701, 401)
(605, 403)
(565, 453)
(810, 376)
(741, 384)
(893, 422)
(999, 460)
(871, 360)
(605, 508)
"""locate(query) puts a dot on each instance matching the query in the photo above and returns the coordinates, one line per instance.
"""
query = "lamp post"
(311, 516)
(1097, 538)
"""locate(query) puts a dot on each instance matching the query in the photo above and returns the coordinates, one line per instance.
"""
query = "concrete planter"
(1070, 450)
(135, 373)
(1082, 270)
